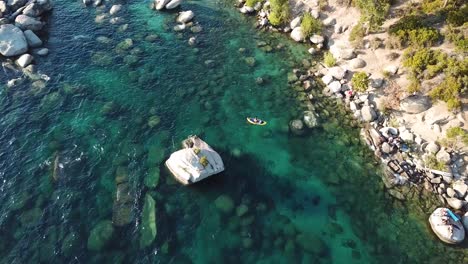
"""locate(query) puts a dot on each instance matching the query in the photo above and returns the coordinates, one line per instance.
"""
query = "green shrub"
(252, 3)
(280, 12)
(432, 162)
(410, 30)
(458, 132)
(448, 91)
(204, 161)
(328, 59)
(357, 34)
(417, 61)
(310, 25)
(457, 37)
(373, 11)
(458, 17)
(415, 85)
(455, 137)
(196, 151)
(360, 81)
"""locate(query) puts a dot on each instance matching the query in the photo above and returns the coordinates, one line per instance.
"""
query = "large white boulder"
(297, 34)
(317, 39)
(295, 22)
(335, 86)
(185, 16)
(25, 22)
(173, 4)
(12, 41)
(115, 9)
(24, 60)
(451, 232)
(337, 72)
(160, 4)
(33, 40)
(195, 162)
(368, 114)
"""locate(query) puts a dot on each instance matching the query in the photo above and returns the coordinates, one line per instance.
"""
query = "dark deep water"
(314, 199)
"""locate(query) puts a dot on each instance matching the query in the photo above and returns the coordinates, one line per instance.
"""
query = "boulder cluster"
(21, 26)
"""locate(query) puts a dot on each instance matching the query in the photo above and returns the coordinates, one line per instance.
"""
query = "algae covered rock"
(312, 244)
(224, 203)
(152, 178)
(100, 235)
(148, 229)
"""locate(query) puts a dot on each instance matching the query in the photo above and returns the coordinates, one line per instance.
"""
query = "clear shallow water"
(315, 199)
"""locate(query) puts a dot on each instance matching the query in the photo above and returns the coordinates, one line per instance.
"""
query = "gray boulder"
(33, 40)
(357, 63)
(386, 148)
(337, 72)
(335, 86)
(415, 104)
(317, 39)
(460, 187)
(15, 4)
(25, 22)
(376, 83)
(310, 119)
(327, 79)
(432, 147)
(42, 52)
(443, 156)
(12, 41)
(296, 127)
(455, 203)
(368, 114)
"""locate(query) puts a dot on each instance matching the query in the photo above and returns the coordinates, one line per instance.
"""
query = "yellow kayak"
(256, 121)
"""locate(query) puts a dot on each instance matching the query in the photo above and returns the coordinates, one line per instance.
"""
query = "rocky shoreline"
(408, 157)
(21, 26)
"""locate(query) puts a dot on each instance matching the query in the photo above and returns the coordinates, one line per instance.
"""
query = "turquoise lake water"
(117, 107)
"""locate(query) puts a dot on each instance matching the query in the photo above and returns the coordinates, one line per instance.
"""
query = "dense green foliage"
(360, 81)
(373, 11)
(411, 31)
(432, 163)
(357, 34)
(458, 132)
(252, 3)
(280, 12)
(328, 59)
(455, 137)
(426, 64)
(433, 6)
(310, 25)
(458, 16)
(458, 38)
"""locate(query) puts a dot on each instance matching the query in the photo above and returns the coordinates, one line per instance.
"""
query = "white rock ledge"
(186, 164)
(442, 230)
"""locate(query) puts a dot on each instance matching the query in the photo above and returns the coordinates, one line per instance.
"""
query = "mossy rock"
(312, 244)
(131, 60)
(121, 175)
(69, 244)
(124, 45)
(109, 108)
(155, 155)
(241, 210)
(31, 217)
(50, 101)
(250, 61)
(148, 229)
(153, 121)
(100, 235)
(152, 178)
(247, 242)
(101, 58)
(224, 203)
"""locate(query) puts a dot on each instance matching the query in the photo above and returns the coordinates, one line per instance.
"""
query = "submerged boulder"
(148, 229)
(310, 119)
(224, 203)
(296, 127)
(100, 235)
(12, 41)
